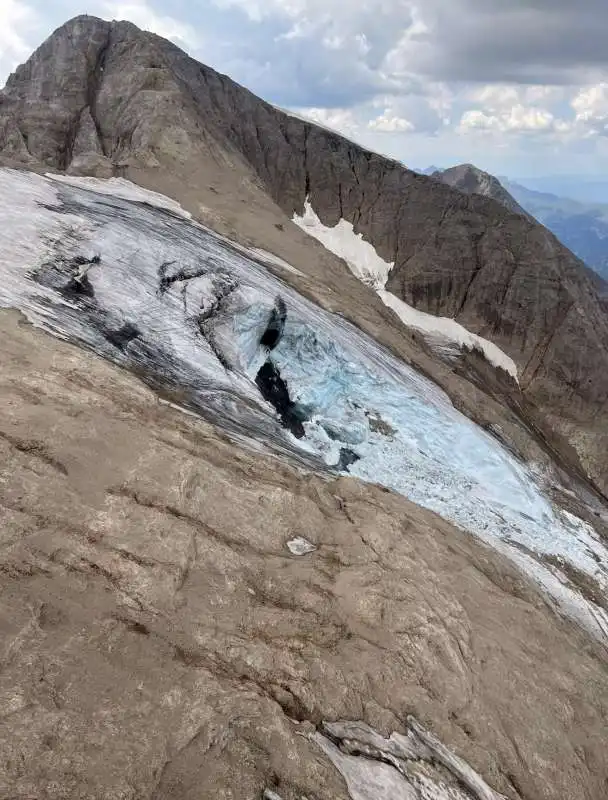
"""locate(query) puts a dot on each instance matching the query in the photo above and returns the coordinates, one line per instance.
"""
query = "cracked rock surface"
(159, 640)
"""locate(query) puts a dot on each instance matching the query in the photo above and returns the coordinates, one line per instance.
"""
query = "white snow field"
(141, 284)
(366, 264)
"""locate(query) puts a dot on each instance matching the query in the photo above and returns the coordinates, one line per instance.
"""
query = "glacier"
(129, 275)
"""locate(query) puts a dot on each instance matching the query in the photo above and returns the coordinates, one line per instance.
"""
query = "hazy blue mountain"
(582, 227)
(581, 188)
(426, 170)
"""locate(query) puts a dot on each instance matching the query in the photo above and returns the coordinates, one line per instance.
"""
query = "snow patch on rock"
(365, 263)
(300, 546)
(445, 329)
(361, 256)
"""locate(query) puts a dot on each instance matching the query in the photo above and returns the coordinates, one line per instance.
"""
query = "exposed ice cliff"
(130, 276)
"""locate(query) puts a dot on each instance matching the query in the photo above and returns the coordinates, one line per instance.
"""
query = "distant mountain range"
(582, 188)
(582, 227)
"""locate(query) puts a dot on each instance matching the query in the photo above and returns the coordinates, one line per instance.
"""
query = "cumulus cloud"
(16, 23)
(518, 118)
(590, 106)
(389, 123)
(502, 96)
(512, 109)
(144, 16)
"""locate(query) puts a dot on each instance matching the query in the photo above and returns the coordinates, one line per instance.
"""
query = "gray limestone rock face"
(45, 97)
(87, 137)
(87, 153)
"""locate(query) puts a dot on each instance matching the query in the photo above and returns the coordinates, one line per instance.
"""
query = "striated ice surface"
(144, 286)
(124, 189)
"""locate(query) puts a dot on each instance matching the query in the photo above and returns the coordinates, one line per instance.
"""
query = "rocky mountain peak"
(470, 179)
(57, 86)
(95, 96)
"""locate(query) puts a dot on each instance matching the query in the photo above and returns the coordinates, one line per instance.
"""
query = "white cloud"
(590, 106)
(400, 59)
(341, 120)
(390, 123)
(257, 10)
(334, 42)
(16, 21)
(517, 119)
(441, 100)
(142, 15)
(502, 97)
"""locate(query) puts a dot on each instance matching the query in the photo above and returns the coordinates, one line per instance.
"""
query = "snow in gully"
(126, 273)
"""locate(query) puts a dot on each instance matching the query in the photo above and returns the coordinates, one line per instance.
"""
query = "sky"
(517, 87)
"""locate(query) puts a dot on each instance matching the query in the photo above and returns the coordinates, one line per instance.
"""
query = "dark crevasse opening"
(276, 324)
(78, 287)
(122, 336)
(347, 457)
(274, 390)
(68, 277)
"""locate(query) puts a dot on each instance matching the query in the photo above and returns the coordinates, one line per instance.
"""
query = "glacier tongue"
(137, 281)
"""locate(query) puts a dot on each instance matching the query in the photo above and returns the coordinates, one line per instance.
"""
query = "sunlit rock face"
(128, 274)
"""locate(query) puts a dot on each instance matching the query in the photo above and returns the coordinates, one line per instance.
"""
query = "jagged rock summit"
(470, 179)
(105, 98)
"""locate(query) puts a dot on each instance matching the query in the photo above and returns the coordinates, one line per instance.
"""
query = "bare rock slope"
(106, 98)
(159, 639)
